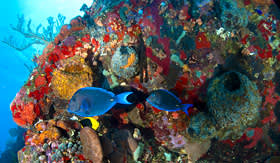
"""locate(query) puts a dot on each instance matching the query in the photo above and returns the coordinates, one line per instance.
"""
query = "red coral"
(106, 38)
(270, 96)
(164, 63)
(95, 43)
(67, 51)
(39, 94)
(44, 90)
(134, 30)
(55, 55)
(13, 107)
(175, 115)
(247, 2)
(48, 71)
(86, 38)
(264, 53)
(146, 22)
(40, 81)
(120, 35)
(78, 44)
(232, 143)
(36, 95)
(258, 135)
(181, 84)
(185, 13)
(77, 24)
(37, 109)
(156, 110)
(81, 157)
(140, 106)
(26, 116)
(278, 56)
(183, 55)
(64, 32)
(244, 39)
(270, 118)
(201, 41)
(229, 142)
(124, 117)
(265, 28)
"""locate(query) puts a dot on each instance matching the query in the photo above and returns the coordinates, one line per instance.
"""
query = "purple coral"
(178, 141)
(69, 41)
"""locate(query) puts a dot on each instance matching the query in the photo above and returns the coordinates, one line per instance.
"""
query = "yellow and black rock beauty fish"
(89, 122)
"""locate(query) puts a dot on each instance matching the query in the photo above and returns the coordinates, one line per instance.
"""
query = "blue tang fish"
(167, 101)
(92, 101)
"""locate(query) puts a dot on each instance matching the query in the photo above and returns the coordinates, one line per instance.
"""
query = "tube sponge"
(233, 101)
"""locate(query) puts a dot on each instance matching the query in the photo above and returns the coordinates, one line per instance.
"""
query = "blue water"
(13, 73)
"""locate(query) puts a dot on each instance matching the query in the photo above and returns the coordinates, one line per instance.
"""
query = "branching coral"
(34, 37)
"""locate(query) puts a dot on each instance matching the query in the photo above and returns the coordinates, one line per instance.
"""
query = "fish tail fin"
(122, 98)
(185, 108)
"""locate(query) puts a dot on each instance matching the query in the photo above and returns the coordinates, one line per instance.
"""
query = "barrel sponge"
(233, 101)
(72, 75)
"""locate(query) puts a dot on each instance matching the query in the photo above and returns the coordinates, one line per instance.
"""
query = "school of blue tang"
(93, 101)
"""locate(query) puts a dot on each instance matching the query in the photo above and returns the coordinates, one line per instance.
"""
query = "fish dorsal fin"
(122, 98)
(171, 94)
(185, 108)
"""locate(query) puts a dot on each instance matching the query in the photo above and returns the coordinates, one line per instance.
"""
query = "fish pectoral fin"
(122, 98)
(185, 108)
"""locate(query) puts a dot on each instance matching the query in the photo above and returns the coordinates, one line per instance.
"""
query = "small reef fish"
(89, 122)
(167, 101)
(92, 101)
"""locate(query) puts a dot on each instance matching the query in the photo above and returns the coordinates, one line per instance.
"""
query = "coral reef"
(221, 56)
(52, 143)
